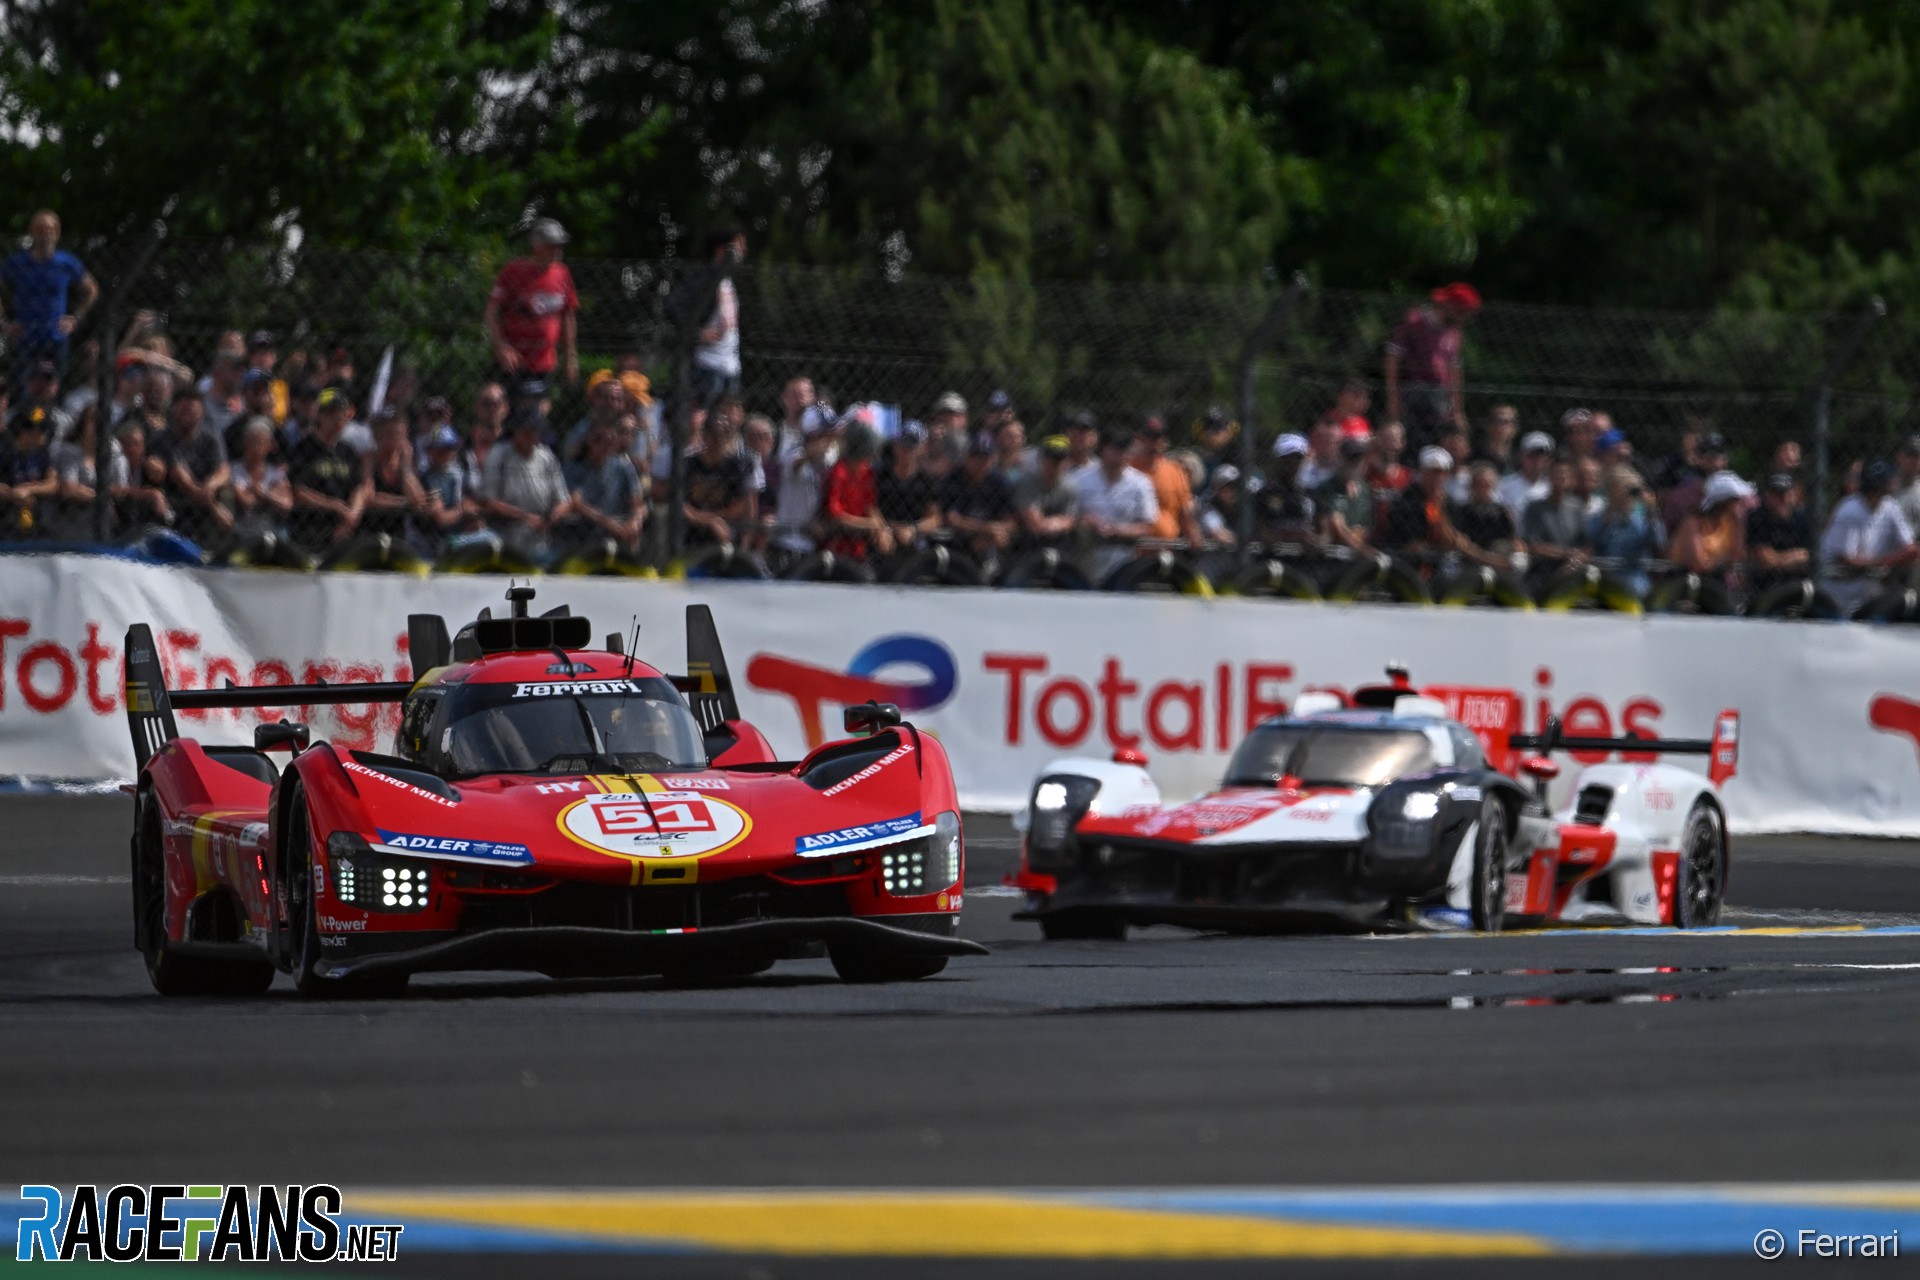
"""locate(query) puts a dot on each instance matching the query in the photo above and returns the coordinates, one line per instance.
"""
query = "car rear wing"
(707, 686)
(1722, 749)
(150, 704)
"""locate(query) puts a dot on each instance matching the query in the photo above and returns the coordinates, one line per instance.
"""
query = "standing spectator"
(803, 482)
(1347, 503)
(608, 501)
(138, 499)
(46, 291)
(1486, 527)
(1172, 486)
(1683, 499)
(330, 483)
(1907, 485)
(1626, 531)
(524, 487)
(1529, 484)
(1712, 540)
(531, 311)
(1779, 535)
(850, 510)
(1555, 527)
(197, 471)
(450, 506)
(948, 421)
(27, 479)
(716, 354)
(719, 484)
(1426, 387)
(262, 496)
(979, 506)
(1217, 432)
(907, 496)
(1496, 444)
(397, 496)
(1047, 499)
(42, 401)
(1284, 511)
(1868, 532)
(1418, 522)
(1117, 504)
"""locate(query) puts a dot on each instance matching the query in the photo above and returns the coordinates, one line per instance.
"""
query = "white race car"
(1391, 806)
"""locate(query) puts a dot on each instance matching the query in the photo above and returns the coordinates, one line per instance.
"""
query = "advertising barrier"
(1008, 680)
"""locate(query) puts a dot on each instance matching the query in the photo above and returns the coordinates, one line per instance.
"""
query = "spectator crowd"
(295, 446)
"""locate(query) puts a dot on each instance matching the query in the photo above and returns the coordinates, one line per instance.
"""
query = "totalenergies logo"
(810, 687)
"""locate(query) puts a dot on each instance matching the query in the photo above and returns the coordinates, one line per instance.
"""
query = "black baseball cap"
(1713, 442)
(528, 418)
(261, 340)
(1780, 482)
(1083, 421)
(1116, 438)
(1877, 474)
(981, 445)
(43, 369)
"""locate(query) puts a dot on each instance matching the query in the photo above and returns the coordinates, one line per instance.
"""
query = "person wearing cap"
(1626, 531)
(1708, 459)
(1711, 540)
(1345, 418)
(606, 499)
(1347, 504)
(1779, 534)
(1529, 484)
(524, 488)
(907, 497)
(716, 350)
(606, 401)
(256, 399)
(42, 401)
(44, 292)
(263, 354)
(1117, 504)
(448, 506)
(1554, 527)
(948, 420)
(1906, 485)
(1419, 521)
(27, 478)
(262, 495)
(197, 472)
(329, 475)
(1047, 499)
(1083, 442)
(978, 504)
(1219, 506)
(1284, 511)
(1867, 534)
(1000, 412)
(1172, 486)
(1425, 384)
(1217, 429)
(803, 482)
(531, 310)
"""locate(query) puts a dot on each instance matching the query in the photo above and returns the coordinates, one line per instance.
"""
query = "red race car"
(545, 807)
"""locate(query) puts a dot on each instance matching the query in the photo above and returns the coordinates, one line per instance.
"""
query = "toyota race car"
(545, 807)
(1384, 809)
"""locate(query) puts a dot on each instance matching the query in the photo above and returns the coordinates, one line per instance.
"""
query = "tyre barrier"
(268, 551)
(164, 546)
(1587, 587)
(1273, 580)
(1798, 599)
(1483, 586)
(1895, 604)
(1161, 572)
(1379, 577)
(1044, 570)
(725, 560)
(1691, 593)
(603, 560)
(937, 566)
(376, 553)
(826, 566)
(486, 556)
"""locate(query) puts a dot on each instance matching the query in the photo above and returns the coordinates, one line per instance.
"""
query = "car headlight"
(1058, 804)
(375, 881)
(1420, 806)
(916, 868)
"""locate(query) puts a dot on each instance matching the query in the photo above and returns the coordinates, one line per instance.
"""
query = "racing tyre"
(1380, 578)
(1487, 898)
(725, 560)
(825, 566)
(1273, 579)
(869, 964)
(1800, 599)
(1587, 587)
(1482, 585)
(937, 566)
(1691, 593)
(171, 973)
(1083, 928)
(297, 876)
(1702, 878)
(1160, 572)
(1046, 569)
(1895, 604)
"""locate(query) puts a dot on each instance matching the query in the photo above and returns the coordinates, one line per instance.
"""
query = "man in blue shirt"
(46, 291)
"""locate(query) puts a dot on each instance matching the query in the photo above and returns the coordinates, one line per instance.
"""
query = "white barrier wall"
(1830, 741)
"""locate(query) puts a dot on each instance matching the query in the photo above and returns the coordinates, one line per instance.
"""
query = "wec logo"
(178, 1223)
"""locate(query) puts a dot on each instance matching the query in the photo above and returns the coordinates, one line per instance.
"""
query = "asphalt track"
(1454, 1104)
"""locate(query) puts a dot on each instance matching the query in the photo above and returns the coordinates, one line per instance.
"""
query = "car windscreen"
(1321, 755)
(565, 726)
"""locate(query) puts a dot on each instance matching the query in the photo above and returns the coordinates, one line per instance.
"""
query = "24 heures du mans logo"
(187, 1223)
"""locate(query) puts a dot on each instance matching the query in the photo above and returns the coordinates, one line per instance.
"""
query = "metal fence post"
(1823, 405)
(1259, 338)
(107, 374)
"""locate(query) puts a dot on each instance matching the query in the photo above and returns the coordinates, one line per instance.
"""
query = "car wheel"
(304, 929)
(865, 964)
(1488, 901)
(171, 973)
(1083, 928)
(1702, 883)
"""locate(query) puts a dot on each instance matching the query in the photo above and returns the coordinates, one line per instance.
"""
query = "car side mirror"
(871, 717)
(1540, 768)
(294, 737)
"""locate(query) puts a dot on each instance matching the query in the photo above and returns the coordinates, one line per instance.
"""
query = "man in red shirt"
(850, 508)
(530, 313)
(1425, 390)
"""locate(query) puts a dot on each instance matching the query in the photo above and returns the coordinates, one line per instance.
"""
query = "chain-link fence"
(1815, 397)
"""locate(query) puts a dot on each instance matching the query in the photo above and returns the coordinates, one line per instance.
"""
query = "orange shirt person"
(1171, 485)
